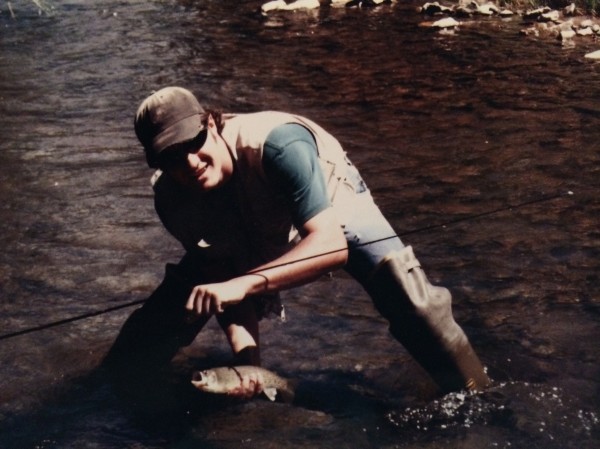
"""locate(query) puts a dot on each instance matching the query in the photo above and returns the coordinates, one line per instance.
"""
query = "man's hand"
(207, 299)
(250, 385)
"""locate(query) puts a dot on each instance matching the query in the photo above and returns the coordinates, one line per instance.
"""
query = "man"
(263, 202)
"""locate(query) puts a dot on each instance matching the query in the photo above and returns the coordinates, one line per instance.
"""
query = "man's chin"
(201, 187)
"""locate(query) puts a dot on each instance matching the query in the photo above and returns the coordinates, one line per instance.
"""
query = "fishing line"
(70, 320)
(430, 227)
(398, 235)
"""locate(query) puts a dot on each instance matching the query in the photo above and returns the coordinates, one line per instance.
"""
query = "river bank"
(566, 25)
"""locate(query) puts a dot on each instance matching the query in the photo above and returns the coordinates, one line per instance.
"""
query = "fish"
(224, 379)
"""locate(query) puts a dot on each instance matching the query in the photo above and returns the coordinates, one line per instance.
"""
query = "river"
(481, 147)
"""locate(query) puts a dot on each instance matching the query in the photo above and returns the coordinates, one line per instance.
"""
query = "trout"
(225, 379)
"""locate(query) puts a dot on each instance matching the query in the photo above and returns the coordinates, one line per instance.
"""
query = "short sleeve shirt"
(291, 163)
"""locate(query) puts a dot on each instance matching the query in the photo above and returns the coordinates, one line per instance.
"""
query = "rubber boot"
(420, 317)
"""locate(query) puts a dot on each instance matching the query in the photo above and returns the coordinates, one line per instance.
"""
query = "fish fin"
(271, 393)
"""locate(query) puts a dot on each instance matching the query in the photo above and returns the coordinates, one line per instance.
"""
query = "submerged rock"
(365, 3)
(463, 11)
(550, 16)
(593, 55)
(284, 6)
(566, 35)
(585, 31)
(569, 10)
(488, 9)
(292, 5)
(447, 22)
(434, 8)
(535, 13)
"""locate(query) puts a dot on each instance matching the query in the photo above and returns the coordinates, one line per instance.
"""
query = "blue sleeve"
(291, 163)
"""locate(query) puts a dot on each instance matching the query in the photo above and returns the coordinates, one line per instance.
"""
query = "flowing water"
(482, 148)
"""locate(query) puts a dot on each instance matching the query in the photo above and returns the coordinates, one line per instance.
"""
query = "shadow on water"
(354, 407)
(90, 411)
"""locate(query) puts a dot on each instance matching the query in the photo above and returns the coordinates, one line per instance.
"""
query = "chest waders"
(420, 317)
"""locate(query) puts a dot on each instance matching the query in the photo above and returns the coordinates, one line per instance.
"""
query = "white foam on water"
(533, 411)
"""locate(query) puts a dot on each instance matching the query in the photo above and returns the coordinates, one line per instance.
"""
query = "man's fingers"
(253, 383)
(259, 383)
(190, 305)
(199, 302)
(206, 304)
(213, 305)
(250, 385)
(203, 301)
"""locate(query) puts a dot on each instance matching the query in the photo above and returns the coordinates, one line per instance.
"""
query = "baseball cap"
(169, 116)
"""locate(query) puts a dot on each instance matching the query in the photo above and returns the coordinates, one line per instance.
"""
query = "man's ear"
(210, 121)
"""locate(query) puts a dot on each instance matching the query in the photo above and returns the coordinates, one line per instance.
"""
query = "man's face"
(199, 166)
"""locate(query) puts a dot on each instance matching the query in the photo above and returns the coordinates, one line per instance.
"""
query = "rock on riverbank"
(292, 5)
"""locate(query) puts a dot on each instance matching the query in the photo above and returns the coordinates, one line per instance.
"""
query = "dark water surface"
(444, 128)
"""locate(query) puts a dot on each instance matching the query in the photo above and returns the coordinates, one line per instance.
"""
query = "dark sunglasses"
(176, 155)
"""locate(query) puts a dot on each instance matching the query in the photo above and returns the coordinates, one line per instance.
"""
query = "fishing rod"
(508, 207)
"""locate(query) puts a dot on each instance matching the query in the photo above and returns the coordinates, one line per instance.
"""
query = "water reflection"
(442, 127)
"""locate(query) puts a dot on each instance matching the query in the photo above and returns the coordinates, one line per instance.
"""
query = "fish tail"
(288, 393)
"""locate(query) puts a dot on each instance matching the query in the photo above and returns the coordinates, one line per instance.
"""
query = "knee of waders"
(399, 288)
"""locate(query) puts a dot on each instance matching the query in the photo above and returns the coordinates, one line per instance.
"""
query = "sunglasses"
(177, 155)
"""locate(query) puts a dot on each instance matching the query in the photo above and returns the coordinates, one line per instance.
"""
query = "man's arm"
(322, 249)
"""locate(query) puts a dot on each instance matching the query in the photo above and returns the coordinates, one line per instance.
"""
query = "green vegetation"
(591, 7)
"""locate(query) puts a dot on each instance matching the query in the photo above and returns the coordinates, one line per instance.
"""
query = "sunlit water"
(449, 132)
